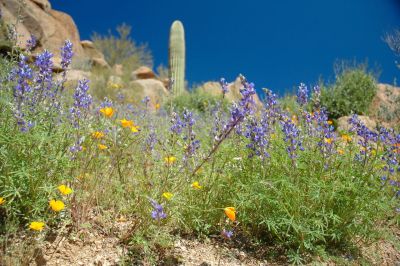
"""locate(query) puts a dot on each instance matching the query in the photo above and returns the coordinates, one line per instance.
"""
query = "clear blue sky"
(275, 44)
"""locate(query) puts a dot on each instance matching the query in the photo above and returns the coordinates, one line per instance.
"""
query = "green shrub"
(352, 92)
(122, 49)
(198, 100)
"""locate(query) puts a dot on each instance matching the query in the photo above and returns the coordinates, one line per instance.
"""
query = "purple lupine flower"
(82, 98)
(190, 137)
(66, 54)
(390, 155)
(151, 140)
(177, 124)
(158, 211)
(120, 96)
(43, 62)
(107, 103)
(316, 97)
(272, 110)
(82, 101)
(224, 86)
(258, 132)
(292, 137)
(188, 117)
(44, 77)
(239, 111)
(366, 135)
(146, 100)
(325, 132)
(23, 73)
(227, 234)
(302, 94)
(31, 43)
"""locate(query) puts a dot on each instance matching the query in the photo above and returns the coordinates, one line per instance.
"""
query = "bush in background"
(122, 49)
(198, 100)
(352, 92)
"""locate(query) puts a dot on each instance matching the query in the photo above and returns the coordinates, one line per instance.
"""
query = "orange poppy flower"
(231, 213)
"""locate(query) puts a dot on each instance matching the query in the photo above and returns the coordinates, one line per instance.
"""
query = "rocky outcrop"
(43, 4)
(75, 75)
(50, 27)
(386, 104)
(143, 72)
(138, 89)
(214, 88)
(95, 57)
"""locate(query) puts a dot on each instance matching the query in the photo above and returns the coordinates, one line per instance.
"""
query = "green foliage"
(128, 157)
(177, 58)
(352, 92)
(31, 165)
(122, 49)
(198, 100)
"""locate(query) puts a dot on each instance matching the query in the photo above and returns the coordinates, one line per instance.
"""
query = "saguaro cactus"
(177, 57)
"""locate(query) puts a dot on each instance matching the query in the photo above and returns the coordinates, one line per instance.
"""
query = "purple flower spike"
(224, 86)
(158, 211)
(227, 234)
(66, 54)
(302, 94)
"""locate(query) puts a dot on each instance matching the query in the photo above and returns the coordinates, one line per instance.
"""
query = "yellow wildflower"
(340, 151)
(57, 205)
(346, 138)
(126, 123)
(157, 106)
(373, 152)
(328, 140)
(64, 189)
(37, 226)
(231, 213)
(167, 195)
(196, 185)
(330, 122)
(98, 135)
(170, 159)
(2, 200)
(135, 129)
(107, 111)
(102, 147)
(295, 120)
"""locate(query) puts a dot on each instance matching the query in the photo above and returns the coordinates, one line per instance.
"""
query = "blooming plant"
(299, 183)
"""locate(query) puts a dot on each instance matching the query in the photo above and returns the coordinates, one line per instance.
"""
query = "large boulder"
(96, 58)
(50, 27)
(138, 89)
(43, 4)
(385, 105)
(75, 75)
(233, 94)
(143, 72)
